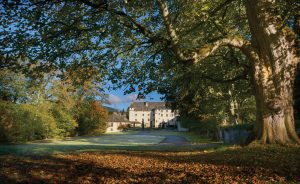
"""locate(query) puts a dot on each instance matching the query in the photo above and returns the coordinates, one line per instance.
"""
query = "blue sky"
(120, 101)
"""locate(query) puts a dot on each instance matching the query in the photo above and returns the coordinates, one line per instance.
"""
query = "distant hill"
(110, 109)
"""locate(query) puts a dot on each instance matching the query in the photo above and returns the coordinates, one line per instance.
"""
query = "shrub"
(92, 119)
(20, 123)
(123, 126)
(203, 125)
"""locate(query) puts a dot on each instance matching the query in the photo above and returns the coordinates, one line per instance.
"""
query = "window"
(166, 115)
(148, 119)
(143, 114)
(161, 115)
(135, 119)
(111, 129)
(135, 114)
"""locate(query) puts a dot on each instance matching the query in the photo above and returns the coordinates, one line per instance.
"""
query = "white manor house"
(153, 114)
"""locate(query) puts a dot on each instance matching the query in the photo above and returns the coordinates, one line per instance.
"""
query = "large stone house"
(152, 114)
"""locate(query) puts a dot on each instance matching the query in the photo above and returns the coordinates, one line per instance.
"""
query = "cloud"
(131, 97)
(114, 99)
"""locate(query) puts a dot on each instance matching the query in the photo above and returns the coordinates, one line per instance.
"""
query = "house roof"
(148, 106)
(117, 117)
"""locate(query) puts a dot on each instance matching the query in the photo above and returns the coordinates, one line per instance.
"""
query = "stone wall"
(236, 136)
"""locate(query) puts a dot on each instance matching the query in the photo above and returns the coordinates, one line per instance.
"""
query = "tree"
(272, 54)
(199, 91)
(188, 32)
(12, 86)
(92, 118)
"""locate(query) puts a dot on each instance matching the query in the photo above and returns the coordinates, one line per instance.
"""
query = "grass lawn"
(231, 165)
(190, 136)
(130, 140)
(112, 141)
(123, 132)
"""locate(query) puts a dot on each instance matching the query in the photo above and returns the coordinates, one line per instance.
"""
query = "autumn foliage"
(92, 118)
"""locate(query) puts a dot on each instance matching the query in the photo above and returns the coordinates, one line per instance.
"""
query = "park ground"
(147, 157)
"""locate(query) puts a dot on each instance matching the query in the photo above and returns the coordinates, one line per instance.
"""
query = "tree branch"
(171, 31)
(103, 5)
(235, 42)
(211, 14)
(167, 20)
(203, 52)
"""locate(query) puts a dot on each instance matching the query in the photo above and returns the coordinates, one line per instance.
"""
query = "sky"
(120, 101)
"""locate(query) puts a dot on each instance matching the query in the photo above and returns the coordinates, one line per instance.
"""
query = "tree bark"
(273, 73)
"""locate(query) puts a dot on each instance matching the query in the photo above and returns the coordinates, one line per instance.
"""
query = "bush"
(206, 124)
(92, 119)
(123, 127)
(20, 123)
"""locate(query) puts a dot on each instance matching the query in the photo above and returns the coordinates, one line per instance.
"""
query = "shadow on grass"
(40, 149)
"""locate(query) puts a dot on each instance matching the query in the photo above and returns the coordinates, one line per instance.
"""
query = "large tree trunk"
(273, 73)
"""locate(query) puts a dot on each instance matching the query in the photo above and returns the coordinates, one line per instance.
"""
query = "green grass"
(122, 141)
(45, 149)
(190, 136)
(123, 133)
(112, 141)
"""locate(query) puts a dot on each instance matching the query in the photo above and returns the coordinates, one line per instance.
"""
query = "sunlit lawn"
(130, 140)
(123, 132)
(118, 141)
